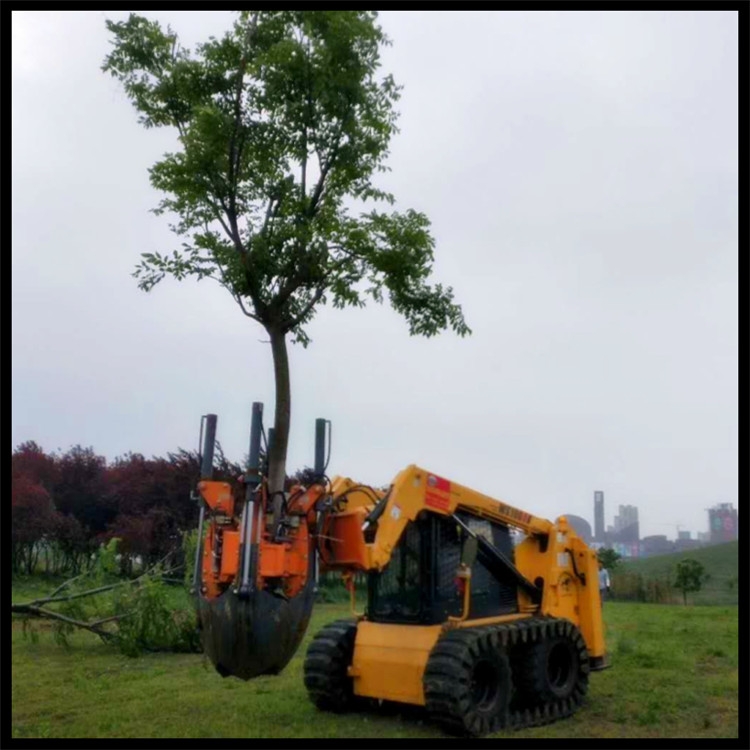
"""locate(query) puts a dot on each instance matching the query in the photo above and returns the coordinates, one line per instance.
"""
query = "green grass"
(26, 588)
(674, 674)
(721, 562)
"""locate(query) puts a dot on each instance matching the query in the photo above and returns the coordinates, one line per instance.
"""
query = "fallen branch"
(151, 625)
(54, 599)
(64, 584)
(27, 609)
(79, 595)
(110, 619)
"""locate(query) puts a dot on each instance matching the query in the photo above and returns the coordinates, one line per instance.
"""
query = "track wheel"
(555, 667)
(328, 657)
(467, 682)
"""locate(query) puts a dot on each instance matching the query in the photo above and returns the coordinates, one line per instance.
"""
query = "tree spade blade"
(258, 635)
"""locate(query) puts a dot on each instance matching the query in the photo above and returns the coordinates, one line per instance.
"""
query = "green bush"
(145, 614)
(637, 587)
(153, 624)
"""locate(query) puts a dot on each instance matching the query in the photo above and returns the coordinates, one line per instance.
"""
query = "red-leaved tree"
(32, 521)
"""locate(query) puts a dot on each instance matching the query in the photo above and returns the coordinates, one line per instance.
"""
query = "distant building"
(581, 526)
(626, 529)
(599, 516)
(704, 537)
(657, 544)
(683, 535)
(722, 523)
(627, 549)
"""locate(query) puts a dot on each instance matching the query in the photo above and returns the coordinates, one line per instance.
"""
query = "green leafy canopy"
(282, 124)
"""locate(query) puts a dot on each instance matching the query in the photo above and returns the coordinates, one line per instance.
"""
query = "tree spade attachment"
(254, 574)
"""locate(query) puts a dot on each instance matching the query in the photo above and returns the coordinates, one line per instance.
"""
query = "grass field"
(674, 674)
(721, 562)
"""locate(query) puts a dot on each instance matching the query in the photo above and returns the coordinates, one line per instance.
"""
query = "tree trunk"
(277, 458)
(30, 560)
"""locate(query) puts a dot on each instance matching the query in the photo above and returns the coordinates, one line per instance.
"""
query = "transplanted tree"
(282, 124)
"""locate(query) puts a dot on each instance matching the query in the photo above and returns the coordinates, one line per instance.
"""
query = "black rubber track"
(448, 699)
(326, 663)
(552, 666)
(467, 682)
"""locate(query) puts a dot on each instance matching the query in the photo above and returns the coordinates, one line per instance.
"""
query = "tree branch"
(308, 98)
(242, 307)
(306, 309)
(235, 149)
(27, 609)
(286, 291)
(324, 170)
(318, 192)
(232, 230)
(268, 213)
(229, 287)
(99, 590)
(64, 584)
(110, 619)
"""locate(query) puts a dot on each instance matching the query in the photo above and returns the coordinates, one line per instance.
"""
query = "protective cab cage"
(419, 584)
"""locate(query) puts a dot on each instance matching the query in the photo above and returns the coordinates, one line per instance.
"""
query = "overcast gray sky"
(580, 172)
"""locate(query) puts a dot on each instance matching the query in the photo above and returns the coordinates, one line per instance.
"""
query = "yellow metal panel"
(416, 489)
(565, 595)
(567, 568)
(389, 660)
(494, 620)
(589, 600)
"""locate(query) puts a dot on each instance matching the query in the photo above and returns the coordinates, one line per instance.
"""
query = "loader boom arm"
(415, 490)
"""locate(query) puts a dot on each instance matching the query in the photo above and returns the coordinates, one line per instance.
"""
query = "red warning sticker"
(438, 492)
(438, 483)
(437, 501)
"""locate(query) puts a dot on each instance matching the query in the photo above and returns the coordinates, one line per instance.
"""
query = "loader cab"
(419, 584)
